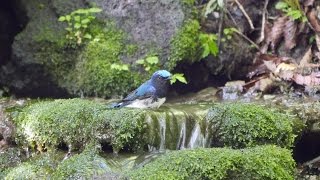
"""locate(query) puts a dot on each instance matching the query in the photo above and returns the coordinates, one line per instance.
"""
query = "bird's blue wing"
(144, 91)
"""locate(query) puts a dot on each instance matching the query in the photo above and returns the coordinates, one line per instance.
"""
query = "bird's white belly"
(146, 103)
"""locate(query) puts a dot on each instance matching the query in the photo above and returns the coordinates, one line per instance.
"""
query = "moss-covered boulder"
(77, 122)
(37, 167)
(244, 125)
(262, 162)
(81, 166)
(9, 158)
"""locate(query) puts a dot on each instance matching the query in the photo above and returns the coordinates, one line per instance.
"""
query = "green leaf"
(125, 67)
(182, 79)
(152, 60)
(94, 10)
(281, 5)
(68, 29)
(68, 18)
(77, 25)
(178, 76)
(140, 61)
(115, 66)
(295, 14)
(85, 21)
(206, 50)
(62, 18)
(148, 68)
(213, 48)
(87, 36)
(172, 81)
(77, 18)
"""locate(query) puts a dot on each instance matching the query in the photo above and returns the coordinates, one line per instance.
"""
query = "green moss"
(77, 122)
(38, 167)
(94, 75)
(244, 125)
(188, 2)
(81, 166)
(9, 158)
(265, 162)
(127, 127)
(185, 44)
(86, 69)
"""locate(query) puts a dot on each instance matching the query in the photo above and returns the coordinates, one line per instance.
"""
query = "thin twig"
(246, 38)
(245, 14)
(262, 36)
(222, 11)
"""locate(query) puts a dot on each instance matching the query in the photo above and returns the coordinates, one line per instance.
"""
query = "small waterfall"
(177, 128)
(162, 124)
(197, 138)
(182, 137)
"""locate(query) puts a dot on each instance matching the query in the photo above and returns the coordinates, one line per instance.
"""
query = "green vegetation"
(245, 125)
(263, 162)
(81, 166)
(292, 9)
(178, 76)
(208, 44)
(150, 63)
(77, 122)
(100, 71)
(9, 158)
(228, 33)
(185, 44)
(213, 6)
(191, 44)
(38, 167)
(78, 23)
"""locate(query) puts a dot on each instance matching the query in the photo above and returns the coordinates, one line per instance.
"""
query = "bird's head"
(161, 77)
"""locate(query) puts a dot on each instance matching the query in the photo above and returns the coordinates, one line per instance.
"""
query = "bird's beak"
(169, 78)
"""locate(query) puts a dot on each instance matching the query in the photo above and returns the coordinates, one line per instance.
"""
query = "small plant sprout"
(78, 23)
(120, 67)
(292, 9)
(178, 76)
(228, 33)
(208, 44)
(212, 6)
(149, 63)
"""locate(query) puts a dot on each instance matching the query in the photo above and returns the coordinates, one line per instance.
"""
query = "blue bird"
(151, 94)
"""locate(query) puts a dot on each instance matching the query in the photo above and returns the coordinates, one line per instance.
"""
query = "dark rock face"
(150, 24)
(10, 25)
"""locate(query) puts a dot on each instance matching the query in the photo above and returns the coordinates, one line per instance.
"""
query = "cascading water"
(180, 128)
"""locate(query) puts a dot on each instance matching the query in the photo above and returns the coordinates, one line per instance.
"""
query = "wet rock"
(233, 164)
(232, 90)
(6, 129)
(85, 165)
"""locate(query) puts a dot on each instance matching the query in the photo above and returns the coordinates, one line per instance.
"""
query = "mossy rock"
(38, 167)
(245, 125)
(9, 158)
(261, 162)
(81, 166)
(77, 122)
(185, 44)
(94, 75)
